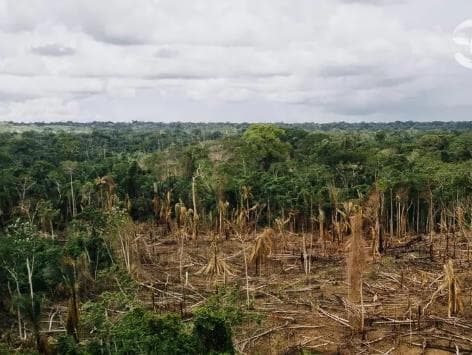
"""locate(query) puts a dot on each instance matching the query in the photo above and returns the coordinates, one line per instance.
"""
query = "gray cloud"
(53, 50)
(334, 71)
(374, 2)
(214, 76)
(166, 52)
(181, 76)
(119, 40)
(7, 96)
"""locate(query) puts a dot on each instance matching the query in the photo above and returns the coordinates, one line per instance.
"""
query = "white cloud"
(239, 60)
(50, 108)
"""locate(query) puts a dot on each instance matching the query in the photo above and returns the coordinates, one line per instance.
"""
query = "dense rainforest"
(81, 204)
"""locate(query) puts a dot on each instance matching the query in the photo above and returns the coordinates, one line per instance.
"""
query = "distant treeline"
(229, 127)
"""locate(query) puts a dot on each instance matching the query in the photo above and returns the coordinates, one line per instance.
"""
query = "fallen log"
(454, 350)
(335, 318)
(257, 336)
(403, 247)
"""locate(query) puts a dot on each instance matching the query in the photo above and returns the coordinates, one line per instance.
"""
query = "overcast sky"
(221, 60)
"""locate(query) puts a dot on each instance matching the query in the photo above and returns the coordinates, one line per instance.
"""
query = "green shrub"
(66, 345)
(142, 332)
(213, 321)
(213, 332)
(138, 331)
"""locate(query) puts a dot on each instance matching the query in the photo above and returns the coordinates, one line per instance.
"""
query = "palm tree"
(348, 210)
(451, 284)
(321, 221)
(280, 224)
(334, 196)
(47, 213)
(70, 167)
(216, 265)
(262, 248)
(86, 192)
(110, 185)
(246, 195)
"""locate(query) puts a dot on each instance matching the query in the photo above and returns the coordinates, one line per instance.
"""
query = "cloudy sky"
(233, 60)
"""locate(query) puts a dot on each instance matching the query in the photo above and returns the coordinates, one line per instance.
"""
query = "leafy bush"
(93, 319)
(143, 332)
(66, 345)
(213, 332)
(227, 302)
(213, 321)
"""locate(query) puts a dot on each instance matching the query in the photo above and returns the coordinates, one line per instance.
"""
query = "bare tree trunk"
(52, 229)
(311, 251)
(322, 236)
(74, 211)
(220, 222)
(30, 282)
(381, 224)
(181, 257)
(305, 256)
(268, 212)
(20, 333)
(418, 215)
(195, 214)
(30, 268)
(391, 213)
(430, 214)
(397, 221)
(362, 306)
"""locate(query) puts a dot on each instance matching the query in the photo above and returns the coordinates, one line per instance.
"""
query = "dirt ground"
(303, 308)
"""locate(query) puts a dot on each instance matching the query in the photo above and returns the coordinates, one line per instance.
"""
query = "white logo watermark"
(463, 38)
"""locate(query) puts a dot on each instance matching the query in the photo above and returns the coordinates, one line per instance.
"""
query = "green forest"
(88, 212)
